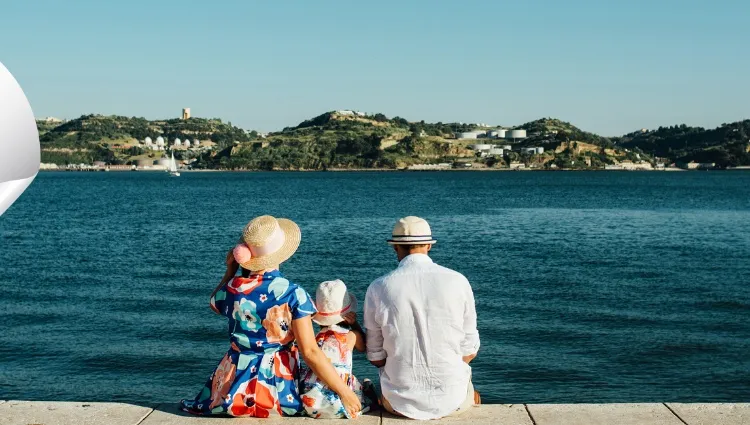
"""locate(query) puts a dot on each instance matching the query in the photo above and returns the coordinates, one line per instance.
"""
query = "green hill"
(93, 137)
(727, 145)
(348, 139)
(336, 140)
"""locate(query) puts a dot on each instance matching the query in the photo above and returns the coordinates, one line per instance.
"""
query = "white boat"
(173, 167)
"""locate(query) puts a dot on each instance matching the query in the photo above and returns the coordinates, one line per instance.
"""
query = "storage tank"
(148, 140)
(177, 141)
(516, 134)
(159, 141)
(539, 150)
(187, 143)
(496, 151)
(466, 135)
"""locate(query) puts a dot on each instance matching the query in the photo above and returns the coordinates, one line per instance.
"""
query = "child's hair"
(344, 325)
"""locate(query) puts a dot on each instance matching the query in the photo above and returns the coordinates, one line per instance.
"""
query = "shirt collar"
(415, 259)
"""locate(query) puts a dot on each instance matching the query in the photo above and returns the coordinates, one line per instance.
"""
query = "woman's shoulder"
(285, 289)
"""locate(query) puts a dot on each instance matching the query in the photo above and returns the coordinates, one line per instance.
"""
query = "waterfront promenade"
(63, 413)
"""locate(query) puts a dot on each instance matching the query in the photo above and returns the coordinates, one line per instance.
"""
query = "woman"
(269, 318)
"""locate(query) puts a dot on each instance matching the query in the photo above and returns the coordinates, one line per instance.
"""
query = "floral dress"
(319, 400)
(259, 375)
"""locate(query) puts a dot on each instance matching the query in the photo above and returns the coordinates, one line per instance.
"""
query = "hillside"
(727, 145)
(351, 140)
(336, 140)
(114, 138)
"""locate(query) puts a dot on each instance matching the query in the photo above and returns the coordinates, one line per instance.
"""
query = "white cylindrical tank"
(159, 141)
(539, 150)
(187, 143)
(466, 135)
(177, 141)
(148, 140)
(500, 133)
(516, 134)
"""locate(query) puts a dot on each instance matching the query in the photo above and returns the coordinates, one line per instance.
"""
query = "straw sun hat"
(333, 301)
(267, 242)
(411, 231)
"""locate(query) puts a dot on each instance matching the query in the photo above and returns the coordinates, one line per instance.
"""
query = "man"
(421, 330)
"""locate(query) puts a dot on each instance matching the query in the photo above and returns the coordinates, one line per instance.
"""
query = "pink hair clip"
(242, 253)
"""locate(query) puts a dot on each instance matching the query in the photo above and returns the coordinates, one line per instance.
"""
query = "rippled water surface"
(590, 287)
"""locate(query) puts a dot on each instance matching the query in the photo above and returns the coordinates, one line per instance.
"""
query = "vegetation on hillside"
(335, 140)
(90, 137)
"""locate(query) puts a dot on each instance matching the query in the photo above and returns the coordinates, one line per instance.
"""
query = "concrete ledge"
(596, 414)
(64, 413)
(713, 413)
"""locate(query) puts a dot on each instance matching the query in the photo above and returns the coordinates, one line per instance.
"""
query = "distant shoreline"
(390, 170)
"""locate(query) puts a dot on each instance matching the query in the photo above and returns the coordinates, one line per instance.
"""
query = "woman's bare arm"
(321, 366)
(232, 268)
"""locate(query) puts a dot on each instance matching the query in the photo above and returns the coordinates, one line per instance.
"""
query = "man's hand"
(378, 363)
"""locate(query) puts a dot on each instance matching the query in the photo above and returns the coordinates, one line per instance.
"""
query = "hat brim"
(332, 320)
(400, 242)
(292, 238)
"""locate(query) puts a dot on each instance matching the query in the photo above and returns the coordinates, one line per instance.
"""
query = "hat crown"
(260, 231)
(412, 226)
(332, 296)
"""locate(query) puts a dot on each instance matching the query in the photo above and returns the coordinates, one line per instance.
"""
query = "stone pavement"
(75, 413)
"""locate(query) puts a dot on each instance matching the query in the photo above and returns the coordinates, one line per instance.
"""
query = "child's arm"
(355, 339)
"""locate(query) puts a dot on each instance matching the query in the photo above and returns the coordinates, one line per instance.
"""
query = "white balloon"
(20, 153)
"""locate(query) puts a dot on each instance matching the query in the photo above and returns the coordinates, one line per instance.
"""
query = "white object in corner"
(19, 141)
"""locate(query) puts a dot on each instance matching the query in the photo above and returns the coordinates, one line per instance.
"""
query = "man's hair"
(412, 247)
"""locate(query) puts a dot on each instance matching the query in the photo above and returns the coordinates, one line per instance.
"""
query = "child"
(339, 335)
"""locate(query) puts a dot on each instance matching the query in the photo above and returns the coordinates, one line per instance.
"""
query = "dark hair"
(344, 325)
(245, 272)
(410, 247)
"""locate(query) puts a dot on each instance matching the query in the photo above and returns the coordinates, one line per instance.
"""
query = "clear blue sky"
(608, 67)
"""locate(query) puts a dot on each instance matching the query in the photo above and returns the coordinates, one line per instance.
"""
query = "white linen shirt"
(421, 319)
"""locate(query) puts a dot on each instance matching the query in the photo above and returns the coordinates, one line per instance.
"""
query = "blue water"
(590, 286)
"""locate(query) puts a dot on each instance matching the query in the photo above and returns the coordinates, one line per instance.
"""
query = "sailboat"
(173, 167)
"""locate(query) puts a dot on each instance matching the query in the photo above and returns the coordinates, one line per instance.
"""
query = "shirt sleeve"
(375, 351)
(300, 303)
(470, 343)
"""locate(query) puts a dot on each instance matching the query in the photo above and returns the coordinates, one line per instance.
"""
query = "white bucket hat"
(411, 231)
(333, 301)
(266, 242)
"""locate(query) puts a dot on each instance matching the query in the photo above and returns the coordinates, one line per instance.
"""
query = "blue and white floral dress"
(319, 400)
(259, 375)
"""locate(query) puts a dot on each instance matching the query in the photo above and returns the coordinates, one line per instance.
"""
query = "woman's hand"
(351, 403)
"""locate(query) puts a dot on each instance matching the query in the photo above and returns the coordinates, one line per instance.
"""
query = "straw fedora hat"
(333, 301)
(411, 231)
(267, 242)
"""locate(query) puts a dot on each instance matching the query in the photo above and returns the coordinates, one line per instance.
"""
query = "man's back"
(421, 318)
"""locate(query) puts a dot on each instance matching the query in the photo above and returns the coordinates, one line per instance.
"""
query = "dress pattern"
(259, 375)
(319, 400)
